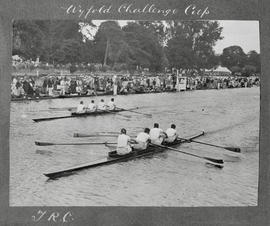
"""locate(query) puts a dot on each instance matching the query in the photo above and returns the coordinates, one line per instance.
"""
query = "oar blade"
(214, 165)
(230, 158)
(43, 143)
(82, 135)
(238, 150)
(219, 161)
(131, 110)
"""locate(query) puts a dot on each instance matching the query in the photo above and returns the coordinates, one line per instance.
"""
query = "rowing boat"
(115, 159)
(86, 114)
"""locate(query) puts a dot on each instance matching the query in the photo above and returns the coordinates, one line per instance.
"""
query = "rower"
(81, 108)
(101, 105)
(111, 105)
(142, 140)
(171, 134)
(157, 135)
(123, 143)
(92, 107)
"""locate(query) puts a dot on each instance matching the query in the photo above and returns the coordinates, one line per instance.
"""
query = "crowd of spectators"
(90, 84)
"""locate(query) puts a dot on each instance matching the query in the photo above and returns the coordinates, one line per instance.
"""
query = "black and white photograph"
(161, 113)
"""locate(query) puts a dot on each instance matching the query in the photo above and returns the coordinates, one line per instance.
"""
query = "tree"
(179, 53)
(108, 43)
(191, 44)
(133, 45)
(144, 48)
(52, 41)
(159, 27)
(253, 59)
(27, 39)
(68, 52)
(233, 56)
(64, 42)
(87, 51)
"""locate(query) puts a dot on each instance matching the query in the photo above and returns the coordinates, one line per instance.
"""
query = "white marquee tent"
(222, 69)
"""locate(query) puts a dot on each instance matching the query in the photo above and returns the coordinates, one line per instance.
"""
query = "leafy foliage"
(144, 49)
(253, 59)
(141, 44)
(233, 56)
(24, 42)
(52, 41)
(191, 44)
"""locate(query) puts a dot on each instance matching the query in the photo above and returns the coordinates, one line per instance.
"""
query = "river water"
(229, 117)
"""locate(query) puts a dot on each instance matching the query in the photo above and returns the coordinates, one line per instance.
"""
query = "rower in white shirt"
(111, 105)
(81, 108)
(123, 143)
(101, 105)
(157, 135)
(142, 140)
(92, 107)
(171, 134)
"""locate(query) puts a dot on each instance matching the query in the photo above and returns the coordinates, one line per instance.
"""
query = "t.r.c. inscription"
(51, 216)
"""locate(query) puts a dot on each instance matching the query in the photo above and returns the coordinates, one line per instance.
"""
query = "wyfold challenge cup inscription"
(84, 12)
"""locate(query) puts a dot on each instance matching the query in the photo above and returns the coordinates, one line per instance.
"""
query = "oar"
(50, 144)
(116, 112)
(63, 108)
(94, 135)
(52, 118)
(149, 115)
(233, 149)
(219, 161)
(99, 135)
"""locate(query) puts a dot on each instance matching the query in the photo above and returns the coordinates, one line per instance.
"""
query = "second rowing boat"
(111, 160)
(74, 114)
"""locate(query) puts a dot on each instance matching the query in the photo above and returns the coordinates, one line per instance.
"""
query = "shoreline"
(46, 97)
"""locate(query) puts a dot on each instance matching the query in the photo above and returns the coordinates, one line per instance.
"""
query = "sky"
(242, 33)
